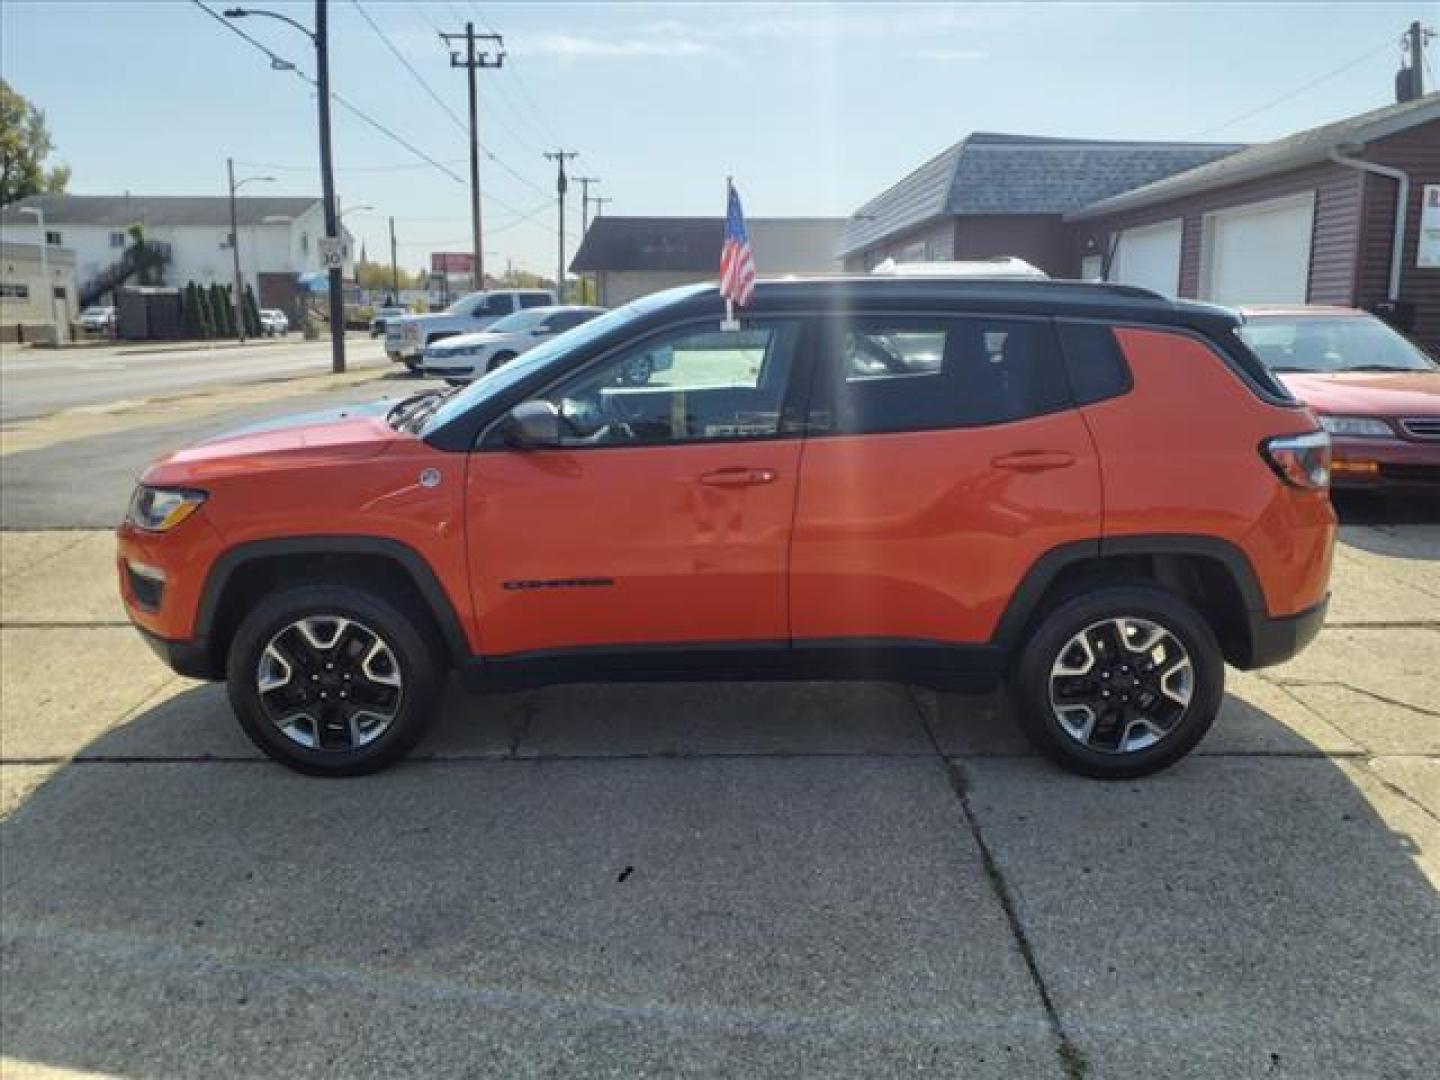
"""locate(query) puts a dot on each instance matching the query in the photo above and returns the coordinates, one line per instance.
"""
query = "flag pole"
(729, 323)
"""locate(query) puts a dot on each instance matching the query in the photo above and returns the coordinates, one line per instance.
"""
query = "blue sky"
(813, 107)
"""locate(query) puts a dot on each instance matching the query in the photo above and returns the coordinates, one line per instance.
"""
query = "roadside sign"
(332, 252)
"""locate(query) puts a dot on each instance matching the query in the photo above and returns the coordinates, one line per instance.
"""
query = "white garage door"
(1258, 254)
(1150, 257)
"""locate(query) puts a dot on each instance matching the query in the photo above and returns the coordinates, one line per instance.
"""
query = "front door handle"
(1033, 461)
(738, 477)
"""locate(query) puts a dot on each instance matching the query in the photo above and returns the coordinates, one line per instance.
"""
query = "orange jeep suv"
(1094, 493)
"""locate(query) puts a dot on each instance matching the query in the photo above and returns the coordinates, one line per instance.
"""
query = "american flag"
(737, 261)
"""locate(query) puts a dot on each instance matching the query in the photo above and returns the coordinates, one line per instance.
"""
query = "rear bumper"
(1273, 640)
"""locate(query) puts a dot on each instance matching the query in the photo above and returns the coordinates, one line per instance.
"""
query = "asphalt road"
(38, 382)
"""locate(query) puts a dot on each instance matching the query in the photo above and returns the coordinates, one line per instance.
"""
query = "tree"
(377, 277)
(190, 312)
(24, 145)
(252, 313)
(222, 311)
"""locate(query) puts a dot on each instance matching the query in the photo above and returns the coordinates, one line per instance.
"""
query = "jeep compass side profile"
(1092, 492)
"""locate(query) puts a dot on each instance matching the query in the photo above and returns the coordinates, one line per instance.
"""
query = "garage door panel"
(1259, 254)
(1149, 256)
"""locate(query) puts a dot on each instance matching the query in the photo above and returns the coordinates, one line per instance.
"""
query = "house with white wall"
(279, 237)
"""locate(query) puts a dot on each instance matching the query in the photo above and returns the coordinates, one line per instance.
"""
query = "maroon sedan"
(1375, 391)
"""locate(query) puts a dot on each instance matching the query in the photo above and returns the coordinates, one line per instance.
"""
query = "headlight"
(1354, 425)
(161, 509)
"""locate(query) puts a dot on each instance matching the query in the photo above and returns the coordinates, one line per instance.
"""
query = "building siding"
(1040, 239)
(1416, 151)
(1334, 243)
(936, 237)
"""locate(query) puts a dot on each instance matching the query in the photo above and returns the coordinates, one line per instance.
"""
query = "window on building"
(54, 239)
(59, 292)
(686, 384)
(889, 373)
(117, 239)
(14, 291)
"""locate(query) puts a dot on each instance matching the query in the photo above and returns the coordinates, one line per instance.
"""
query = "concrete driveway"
(718, 880)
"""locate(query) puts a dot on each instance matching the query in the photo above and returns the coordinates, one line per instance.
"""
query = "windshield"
(521, 320)
(1331, 343)
(502, 378)
(463, 305)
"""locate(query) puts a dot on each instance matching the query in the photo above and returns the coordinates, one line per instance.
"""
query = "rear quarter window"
(1094, 363)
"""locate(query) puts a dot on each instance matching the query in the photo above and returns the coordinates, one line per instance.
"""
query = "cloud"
(953, 54)
(577, 47)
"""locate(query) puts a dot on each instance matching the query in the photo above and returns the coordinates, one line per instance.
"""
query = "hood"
(424, 317)
(1368, 393)
(353, 432)
(467, 341)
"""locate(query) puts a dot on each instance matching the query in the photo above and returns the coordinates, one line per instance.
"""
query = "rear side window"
(1093, 361)
(913, 373)
(533, 299)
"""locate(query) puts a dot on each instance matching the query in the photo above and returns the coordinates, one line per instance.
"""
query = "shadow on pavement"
(1372, 523)
(718, 879)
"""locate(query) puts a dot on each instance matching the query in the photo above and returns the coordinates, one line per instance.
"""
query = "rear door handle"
(738, 477)
(1033, 461)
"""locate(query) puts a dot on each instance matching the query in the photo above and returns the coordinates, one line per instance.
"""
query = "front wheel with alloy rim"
(1119, 682)
(333, 680)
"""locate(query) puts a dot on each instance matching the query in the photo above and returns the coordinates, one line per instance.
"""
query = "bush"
(222, 311)
(252, 313)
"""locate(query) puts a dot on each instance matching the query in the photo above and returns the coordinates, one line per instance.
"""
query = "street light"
(39, 215)
(235, 242)
(330, 250)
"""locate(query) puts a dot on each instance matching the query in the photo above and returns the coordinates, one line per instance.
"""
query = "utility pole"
(327, 186)
(472, 62)
(330, 250)
(585, 182)
(560, 157)
(235, 242)
(1410, 82)
(394, 267)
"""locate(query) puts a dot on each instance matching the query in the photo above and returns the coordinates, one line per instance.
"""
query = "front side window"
(687, 384)
(913, 373)
(494, 306)
(565, 320)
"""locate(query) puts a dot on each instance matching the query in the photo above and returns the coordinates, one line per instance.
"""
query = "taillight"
(1303, 461)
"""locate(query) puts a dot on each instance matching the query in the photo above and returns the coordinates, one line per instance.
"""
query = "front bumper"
(191, 658)
(444, 370)
(1384, 464)
(1275, 639)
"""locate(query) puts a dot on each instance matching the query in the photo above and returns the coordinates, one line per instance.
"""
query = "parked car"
(97, 320)
(1375, 391)
(766, 510)
(384, 313)
(407, 336)
(464, 357)
(274, 322)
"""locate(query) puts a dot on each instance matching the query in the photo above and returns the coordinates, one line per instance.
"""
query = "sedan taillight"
(1303, 461)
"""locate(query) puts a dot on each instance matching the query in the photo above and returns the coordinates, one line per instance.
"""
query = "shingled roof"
(171, 211)
(1291, 152)
(692, 244)
(990, 173)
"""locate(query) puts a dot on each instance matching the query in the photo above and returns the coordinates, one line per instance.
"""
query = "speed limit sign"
(332, 253)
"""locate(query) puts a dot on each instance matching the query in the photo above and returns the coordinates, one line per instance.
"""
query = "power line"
(1296, 92)
(280, 63)
(344, 168)
(521, 85)
(408, 66)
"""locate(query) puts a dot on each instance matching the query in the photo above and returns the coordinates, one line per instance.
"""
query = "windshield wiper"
(1291, 370)
(1381, 367)
(405, 408)
(414, 420)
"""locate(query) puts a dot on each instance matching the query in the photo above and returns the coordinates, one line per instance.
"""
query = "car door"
(943, 459)
(664, 517)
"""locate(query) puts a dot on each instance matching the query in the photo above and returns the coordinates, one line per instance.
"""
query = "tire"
(1056, 674)
(296, 631)
(413, 366)
(499, 360)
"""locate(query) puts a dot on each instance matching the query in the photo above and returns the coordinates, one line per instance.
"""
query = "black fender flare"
(1025, 601)
(407, 558)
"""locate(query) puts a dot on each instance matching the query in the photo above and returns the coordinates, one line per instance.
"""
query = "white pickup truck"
(407, 336)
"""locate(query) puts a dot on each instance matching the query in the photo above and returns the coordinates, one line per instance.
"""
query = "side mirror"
(531, 425)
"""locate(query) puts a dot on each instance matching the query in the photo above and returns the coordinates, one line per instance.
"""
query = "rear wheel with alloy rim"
(333, 679)
(1119, 682)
